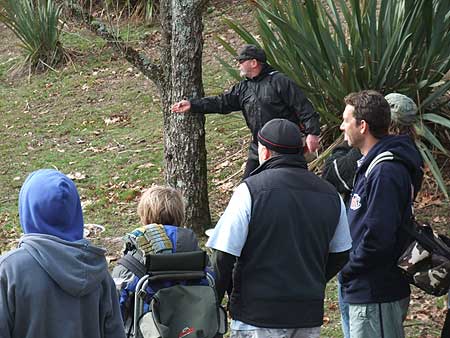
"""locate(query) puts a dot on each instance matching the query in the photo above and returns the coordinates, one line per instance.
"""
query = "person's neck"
(368, 144)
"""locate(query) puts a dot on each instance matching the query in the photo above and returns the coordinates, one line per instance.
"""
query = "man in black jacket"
(288, 230)
(263, 95)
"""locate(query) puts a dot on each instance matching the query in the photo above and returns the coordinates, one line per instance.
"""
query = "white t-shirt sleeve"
(231, 231)
(342, 240)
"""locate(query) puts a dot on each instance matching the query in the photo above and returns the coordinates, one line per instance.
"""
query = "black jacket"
(269, 95)
(279, 279)
(340, 168)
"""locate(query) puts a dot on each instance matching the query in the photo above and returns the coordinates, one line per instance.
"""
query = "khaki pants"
(378, 320)
(310, 332)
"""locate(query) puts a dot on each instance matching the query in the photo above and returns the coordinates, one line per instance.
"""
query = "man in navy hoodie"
(381, 201)
(55, 284)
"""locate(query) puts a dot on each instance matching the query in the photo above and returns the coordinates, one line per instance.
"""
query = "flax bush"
(334, 47)
(36, 24)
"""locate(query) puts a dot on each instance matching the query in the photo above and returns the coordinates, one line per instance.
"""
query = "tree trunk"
(184, 134)
(179, 75)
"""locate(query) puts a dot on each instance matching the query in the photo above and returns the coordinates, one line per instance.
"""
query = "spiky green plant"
(36, 24)
(392, 46)
(146, 9)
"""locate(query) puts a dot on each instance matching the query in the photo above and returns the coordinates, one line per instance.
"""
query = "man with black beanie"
(263, 95)
(288, 231)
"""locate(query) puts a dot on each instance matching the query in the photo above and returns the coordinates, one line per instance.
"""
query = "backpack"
(184, 311)
(139, 245)
(181, 310)
(426, 260)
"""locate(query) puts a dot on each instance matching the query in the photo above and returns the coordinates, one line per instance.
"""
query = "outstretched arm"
(223, 104)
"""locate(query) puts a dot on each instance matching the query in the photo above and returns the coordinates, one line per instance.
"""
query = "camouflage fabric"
(426, 269)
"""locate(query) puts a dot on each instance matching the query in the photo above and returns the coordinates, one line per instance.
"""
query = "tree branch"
(139, 60)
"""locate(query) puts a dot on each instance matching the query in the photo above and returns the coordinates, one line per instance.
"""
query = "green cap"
(403, 109)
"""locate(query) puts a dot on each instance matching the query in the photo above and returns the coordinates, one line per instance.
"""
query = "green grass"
(94, 117)
(100, 119)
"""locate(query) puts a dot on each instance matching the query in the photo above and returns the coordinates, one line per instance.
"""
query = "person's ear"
(266, 154)
(364, 127)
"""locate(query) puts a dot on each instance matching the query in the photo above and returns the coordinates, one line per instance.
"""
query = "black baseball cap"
(248, 52)
(282, 136)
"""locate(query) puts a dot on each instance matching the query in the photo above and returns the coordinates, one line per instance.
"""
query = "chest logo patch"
(356, 202)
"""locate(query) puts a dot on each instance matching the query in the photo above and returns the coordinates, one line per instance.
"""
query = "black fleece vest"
(279, 279)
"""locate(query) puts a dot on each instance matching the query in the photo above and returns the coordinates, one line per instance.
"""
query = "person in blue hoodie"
(381, 200)
(340, 167)
(55, 284)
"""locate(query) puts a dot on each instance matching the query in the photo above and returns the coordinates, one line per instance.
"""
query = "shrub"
(36, 24)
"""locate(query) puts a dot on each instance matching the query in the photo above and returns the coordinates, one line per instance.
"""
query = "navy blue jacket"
(381, 202)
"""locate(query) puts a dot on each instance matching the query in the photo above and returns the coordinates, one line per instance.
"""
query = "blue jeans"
(343, 307)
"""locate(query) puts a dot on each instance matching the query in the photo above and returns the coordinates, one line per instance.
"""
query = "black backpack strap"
(132, 264)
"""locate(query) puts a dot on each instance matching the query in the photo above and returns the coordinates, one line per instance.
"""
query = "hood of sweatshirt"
(49, 204)
(77, 267)
(405, 151)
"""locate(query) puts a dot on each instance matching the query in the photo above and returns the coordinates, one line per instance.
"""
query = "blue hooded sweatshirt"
(55, 284)
(380, 203)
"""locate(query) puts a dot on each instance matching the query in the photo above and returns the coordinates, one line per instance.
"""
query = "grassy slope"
(100, 120)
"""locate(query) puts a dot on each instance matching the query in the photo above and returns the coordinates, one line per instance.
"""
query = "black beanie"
(282, 136)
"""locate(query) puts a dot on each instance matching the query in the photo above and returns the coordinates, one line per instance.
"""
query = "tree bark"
(179, 75)
(184, 134)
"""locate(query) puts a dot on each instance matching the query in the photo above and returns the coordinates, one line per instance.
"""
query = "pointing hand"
(181, 107)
